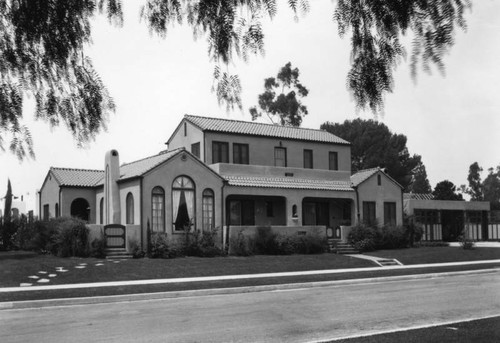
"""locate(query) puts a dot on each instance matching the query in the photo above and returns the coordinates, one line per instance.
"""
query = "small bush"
(283, 244)
(310, 244)
(466, 243)
(392, 237)
(136, 249)
(202, 243)
(363, 238)
(265, 241)
(242, 245)
(159, 247)
(98, 247)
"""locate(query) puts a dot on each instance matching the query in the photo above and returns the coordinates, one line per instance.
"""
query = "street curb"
(18, 305)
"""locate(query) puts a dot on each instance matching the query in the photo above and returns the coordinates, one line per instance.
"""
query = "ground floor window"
(242, 212)
(390, 213)
(208, 209)
(158, 209)
(183, 212)
(315, 213)
(369, 212)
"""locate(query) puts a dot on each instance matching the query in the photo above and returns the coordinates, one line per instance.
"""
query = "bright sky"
(451, 120)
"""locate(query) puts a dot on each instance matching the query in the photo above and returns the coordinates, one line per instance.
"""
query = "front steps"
(339, 247)
(117, 253)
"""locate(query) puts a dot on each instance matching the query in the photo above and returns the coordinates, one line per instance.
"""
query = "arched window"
(130, 209)
(183, 210)
(208, 209)
(101, 211)
(80, 208)
(158, 209)
(57, 210)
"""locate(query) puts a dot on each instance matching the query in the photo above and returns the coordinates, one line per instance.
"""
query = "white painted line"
(80, 267)
(33, 277)
(43, 281)
(42, 272)
(25, 284)
(52, 275)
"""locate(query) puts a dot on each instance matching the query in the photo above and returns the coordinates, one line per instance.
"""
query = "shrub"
(159, 247)
(283, 244)
(202, 243)
(363, 238)
(466, 243)
(265, 241)
(98, 247)
(136, 249)
(242, 245)
(392, 237)
(310, 244)
(70, 237)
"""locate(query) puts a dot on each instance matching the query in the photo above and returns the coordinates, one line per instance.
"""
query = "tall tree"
(8, 204)
(42, 51)
(374, 145)
(285, 109)
(446, 190)
(491, 188)
(420, 183)
(475, 189)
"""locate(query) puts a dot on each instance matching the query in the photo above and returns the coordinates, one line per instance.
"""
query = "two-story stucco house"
(234, 176)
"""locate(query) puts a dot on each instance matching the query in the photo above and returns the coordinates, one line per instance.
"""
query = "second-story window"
(308, 158)
(333, 160)
(280, 157)
(220, 152)
(240, 153)
(195, 149)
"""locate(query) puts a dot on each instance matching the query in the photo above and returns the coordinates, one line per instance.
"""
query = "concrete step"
(389, 262)
(117, 253)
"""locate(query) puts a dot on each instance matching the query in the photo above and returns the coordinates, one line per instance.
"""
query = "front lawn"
(424, 255)
(16, 269)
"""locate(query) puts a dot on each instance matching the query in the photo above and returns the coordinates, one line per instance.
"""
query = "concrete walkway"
(479, 244)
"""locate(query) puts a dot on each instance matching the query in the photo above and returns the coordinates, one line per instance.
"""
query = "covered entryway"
(80, 208)
(243, 210)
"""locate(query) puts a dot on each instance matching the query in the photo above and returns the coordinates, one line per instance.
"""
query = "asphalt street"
(296, 315)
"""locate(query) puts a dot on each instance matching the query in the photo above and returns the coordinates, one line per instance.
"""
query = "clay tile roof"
(418, 196)
(363, 175)
(140, 167)
(77, 177)
(266, 130)
(288, 183)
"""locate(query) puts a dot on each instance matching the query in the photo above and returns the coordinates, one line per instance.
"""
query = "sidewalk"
(105, 292)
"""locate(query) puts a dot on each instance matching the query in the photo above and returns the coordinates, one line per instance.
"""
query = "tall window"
(390, 213)
(195, 149)
(130, 209)
(183, 212)
(208, 209)
(308, 158)
(57, 210)
(369, 212)
(220, 152)
(280, 157)
(158, 209)
(242, 212)
(46, 212)
(379, 180)
(101, 211)
(240, 153)
(333, 160)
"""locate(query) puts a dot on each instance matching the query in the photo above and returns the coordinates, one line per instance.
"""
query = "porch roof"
(288, 183)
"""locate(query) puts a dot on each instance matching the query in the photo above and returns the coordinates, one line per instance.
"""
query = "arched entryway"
(80, 208)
